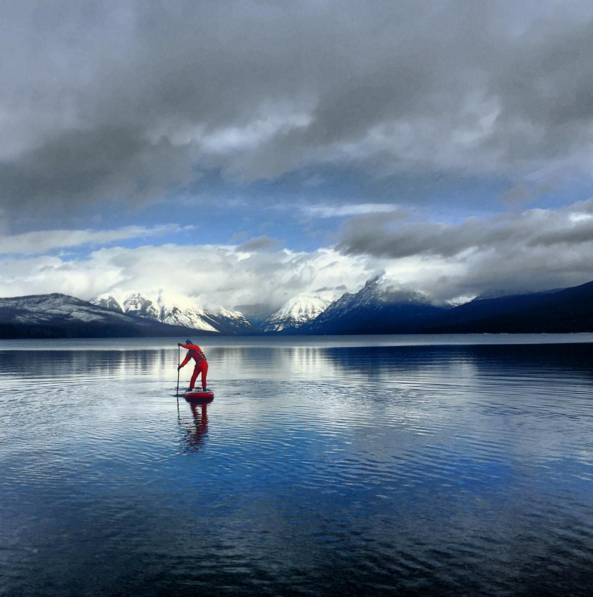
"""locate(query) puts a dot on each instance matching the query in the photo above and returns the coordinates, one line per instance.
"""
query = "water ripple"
(318, 469)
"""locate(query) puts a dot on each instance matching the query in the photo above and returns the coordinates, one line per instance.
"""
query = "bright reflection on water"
(322, 467)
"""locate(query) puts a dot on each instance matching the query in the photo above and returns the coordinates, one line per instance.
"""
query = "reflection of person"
(196, 433)
(201, 423)
(195, 353)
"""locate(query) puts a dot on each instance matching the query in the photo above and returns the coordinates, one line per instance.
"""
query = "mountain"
(380, 309)
(63, 316)
(177, 310)
(295, 313)
(375, 309)
(108, 303)
(566, 310)
(229, 321)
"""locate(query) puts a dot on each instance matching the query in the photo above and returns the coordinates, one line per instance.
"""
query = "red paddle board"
(199, 396)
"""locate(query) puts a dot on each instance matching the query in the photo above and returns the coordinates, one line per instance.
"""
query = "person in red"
(195, 353)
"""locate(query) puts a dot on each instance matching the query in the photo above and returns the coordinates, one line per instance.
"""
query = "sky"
(242, 152)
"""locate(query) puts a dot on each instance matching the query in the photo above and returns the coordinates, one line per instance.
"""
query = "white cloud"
(532, 250)
(342, 211)
(233, 139)
(37, 243)
(216, 275)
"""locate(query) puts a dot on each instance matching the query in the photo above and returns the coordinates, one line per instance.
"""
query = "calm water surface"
(362, 466)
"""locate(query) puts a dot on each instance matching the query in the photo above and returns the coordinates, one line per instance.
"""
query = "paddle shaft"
(178, 363)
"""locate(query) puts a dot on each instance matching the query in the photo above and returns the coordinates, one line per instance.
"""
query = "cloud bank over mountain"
(522, 251)
(214, 275)
(526, 251)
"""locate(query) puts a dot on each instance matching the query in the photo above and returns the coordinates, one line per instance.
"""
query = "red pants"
(201, 367)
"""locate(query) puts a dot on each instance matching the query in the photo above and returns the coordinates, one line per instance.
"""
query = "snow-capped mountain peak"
(107, 301)
(296, 312)
(378, 306)
(175, 310)
(136, 304)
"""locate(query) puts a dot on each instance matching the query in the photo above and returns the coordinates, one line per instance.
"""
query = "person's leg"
(204, 373)
(192, 383)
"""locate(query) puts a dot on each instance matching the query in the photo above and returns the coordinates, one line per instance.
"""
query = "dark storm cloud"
(112, 99)
(379, 236)
(86, 165)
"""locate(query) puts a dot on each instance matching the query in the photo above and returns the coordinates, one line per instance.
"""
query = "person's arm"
(188, 346)
(185, 361)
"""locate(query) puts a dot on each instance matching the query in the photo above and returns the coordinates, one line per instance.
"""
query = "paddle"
(178, 363)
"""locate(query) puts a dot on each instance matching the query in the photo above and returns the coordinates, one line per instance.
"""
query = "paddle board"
(199, 396)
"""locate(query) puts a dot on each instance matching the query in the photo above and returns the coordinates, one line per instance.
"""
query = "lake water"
(324, 466)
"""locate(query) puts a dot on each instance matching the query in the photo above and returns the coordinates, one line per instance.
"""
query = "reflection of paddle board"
(199, 396)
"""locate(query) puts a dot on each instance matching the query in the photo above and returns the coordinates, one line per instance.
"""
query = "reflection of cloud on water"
(310, 362)
(107, 364)
(282, 362)
(506, 402)
(532, 396)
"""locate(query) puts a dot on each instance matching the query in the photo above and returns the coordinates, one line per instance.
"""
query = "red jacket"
(195, 353)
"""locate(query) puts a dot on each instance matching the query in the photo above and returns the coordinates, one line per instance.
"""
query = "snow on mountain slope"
(234, 321)
(63, 316)
(44, 308)
(108, 303)
(295, 313)
(190, 317)
(136, 304)
(176, 310)
(377, 308)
